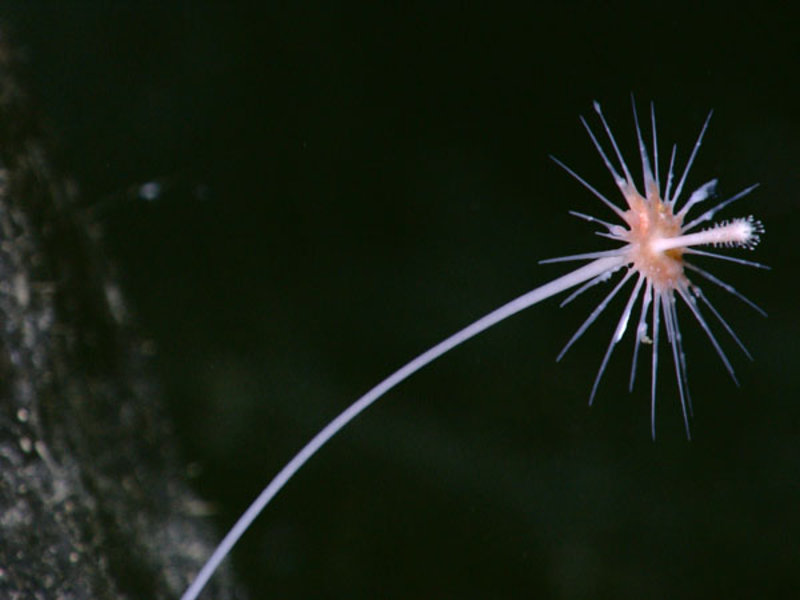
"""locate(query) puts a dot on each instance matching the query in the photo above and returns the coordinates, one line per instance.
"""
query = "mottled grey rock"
(93, 502)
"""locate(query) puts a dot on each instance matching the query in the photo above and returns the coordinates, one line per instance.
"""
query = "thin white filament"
(603, 277)
(670, 174)
(656, 327)
(583, 256)
(733, 259)
(618, 179)
(709, 214)
(698, 292)
(673, 336)
(727, 287)
(595, 313)
(641, 332)
(617, 237)
(618, 333)
(700, 194)
(692, 304)
(589, 186)
(647, 173)
(610, 226)
(625, 169)
(528, 299)
(655, 147)
(692, 156)
(682, 355)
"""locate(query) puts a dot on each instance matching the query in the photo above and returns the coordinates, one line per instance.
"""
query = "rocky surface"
(93, 502)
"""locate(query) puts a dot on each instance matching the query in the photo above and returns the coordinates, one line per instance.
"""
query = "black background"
(343, 186)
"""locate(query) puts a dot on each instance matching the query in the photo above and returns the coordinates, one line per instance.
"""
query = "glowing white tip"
(742, 232)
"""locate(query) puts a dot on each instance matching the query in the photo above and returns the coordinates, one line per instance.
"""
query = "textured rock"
(92, 499)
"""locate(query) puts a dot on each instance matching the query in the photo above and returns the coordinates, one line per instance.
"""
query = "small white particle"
(22, 291)
(150, 191)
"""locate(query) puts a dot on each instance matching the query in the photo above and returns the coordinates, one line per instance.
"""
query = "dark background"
(342, 187)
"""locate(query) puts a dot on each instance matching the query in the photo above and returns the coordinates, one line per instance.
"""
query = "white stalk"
(563, 283)
(742, 232)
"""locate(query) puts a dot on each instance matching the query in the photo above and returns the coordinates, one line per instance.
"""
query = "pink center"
(649, 220)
